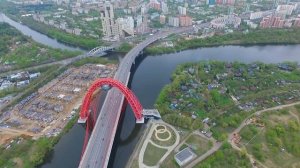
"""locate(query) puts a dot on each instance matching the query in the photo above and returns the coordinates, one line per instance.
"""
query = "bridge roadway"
(99, 147)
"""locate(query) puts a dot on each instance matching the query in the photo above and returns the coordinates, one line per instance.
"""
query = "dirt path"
(16, 132)
(245, 123)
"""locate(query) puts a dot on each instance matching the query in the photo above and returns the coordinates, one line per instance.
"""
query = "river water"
(148, 78)
(38, 37)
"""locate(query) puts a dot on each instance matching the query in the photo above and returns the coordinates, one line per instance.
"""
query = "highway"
(99, 147)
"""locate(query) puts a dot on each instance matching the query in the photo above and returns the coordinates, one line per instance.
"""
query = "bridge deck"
(100, 144)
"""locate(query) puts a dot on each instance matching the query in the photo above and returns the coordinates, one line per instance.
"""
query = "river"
(148, 78)
(36, 36)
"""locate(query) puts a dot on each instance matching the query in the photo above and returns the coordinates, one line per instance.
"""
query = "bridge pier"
(151, 113)
(140, 121)
(82, 120)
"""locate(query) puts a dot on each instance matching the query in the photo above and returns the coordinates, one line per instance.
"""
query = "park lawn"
(170, 162)
(198, 144)
(277, 144)
(135, 163)
(153, 154)
(164, 135)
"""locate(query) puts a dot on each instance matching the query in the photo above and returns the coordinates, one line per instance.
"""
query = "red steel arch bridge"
(97, 148)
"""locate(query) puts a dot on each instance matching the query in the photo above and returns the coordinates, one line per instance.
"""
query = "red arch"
(130, 97)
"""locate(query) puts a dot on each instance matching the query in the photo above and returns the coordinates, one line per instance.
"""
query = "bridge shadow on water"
(128, 131)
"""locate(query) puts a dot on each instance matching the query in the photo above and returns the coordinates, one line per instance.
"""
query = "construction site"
(47, 111)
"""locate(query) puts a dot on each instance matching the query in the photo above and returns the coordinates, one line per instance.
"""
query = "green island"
(226, 93)
(253, 37)
(19, 51)
(219, 97)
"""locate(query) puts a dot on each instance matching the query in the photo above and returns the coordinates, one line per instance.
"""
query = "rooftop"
(184, 156)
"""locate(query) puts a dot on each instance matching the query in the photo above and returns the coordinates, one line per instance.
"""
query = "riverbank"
(253, 37)
(73, 40)
(83, 42)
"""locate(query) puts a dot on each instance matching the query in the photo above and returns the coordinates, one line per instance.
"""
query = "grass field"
(277, 144)
(135, 164)
(198, 144)
(153, 155)
(169, 162)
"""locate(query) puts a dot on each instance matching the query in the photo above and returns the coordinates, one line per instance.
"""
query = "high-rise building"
(186, 5)
(185, 21)
(181, 10)
(230, 10)
(230, 2)
(278, 22)
(247, 8)
(126, 26)
(210, 2)
(164, 8)
(256, 15)
(285, 9)
(272, 21)
(154, 4)
(143, 10)
(297, 22)
(110, 28)
(114, 29)
(173, 21)
(143, 27)
(219, 2)
(162, 19)
(139, 20)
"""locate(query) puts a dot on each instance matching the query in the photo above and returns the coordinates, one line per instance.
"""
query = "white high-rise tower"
(110, 28)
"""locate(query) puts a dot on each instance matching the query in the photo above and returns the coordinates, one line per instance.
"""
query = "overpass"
(98, 149)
